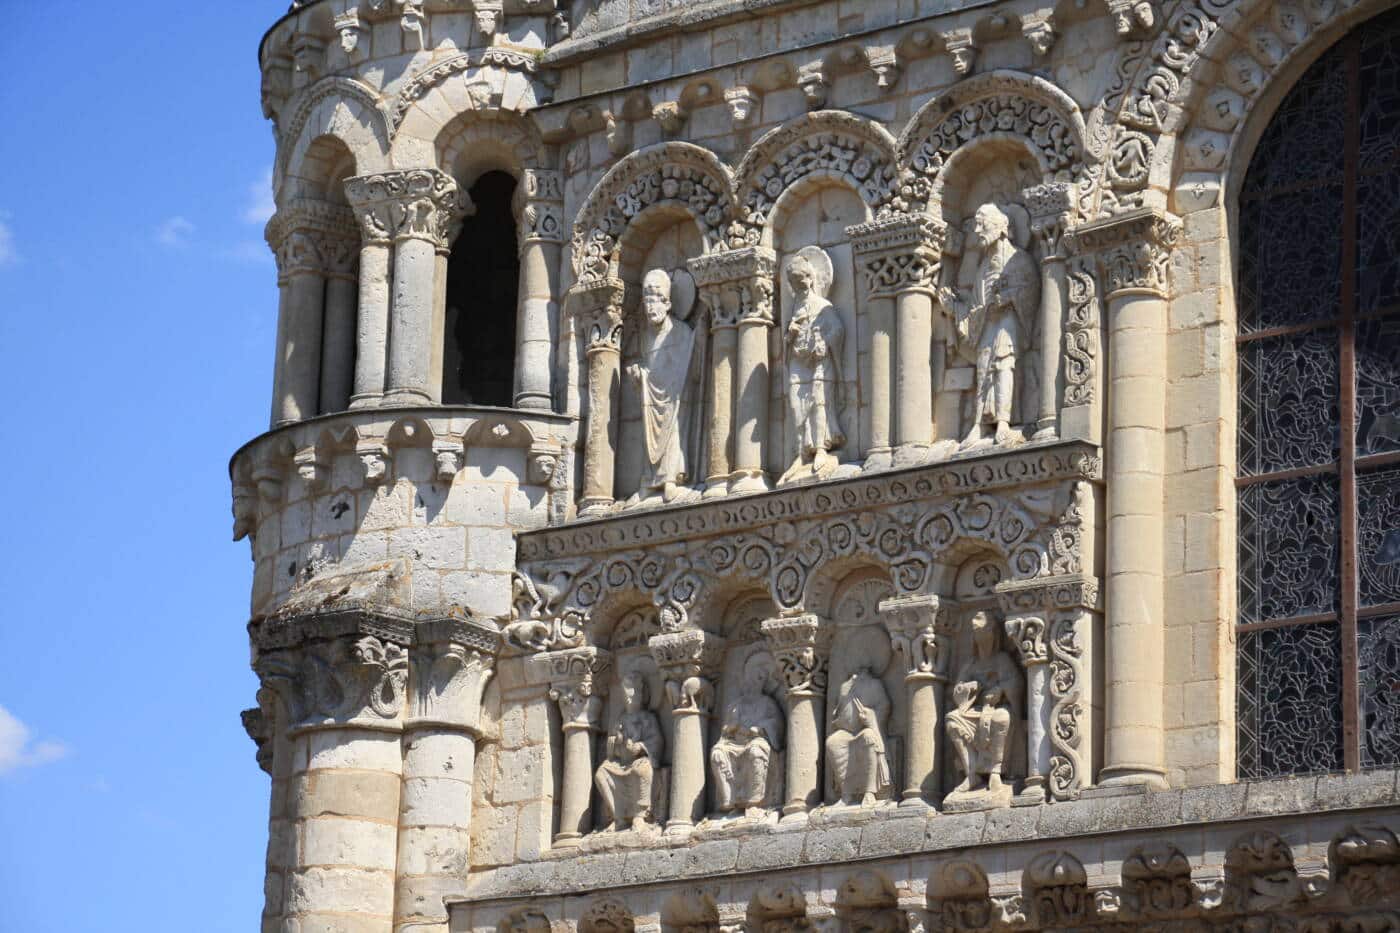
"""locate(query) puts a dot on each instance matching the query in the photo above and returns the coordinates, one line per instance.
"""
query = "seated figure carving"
(993, 318)
(987, 696)
(815, 336)
(635, 746)
(750, 733)
(855, 748)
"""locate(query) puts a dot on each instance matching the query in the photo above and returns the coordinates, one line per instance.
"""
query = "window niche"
(483, 290)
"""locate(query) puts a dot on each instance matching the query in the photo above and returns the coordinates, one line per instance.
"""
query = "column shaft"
(600, 444)
(1039, 705)
(921, 777)
(434, 822)
(914, 404)
(575, 799)
(1052, 303)
(880, 312)
(539, 263)
(687, 769)
(338, 344)
(372, 325)
(300, 349)
(752, 405)
(411, 323)
(721, 415)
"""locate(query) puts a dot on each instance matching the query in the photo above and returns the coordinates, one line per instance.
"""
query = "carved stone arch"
(1002, 104)
(827, 144)
(1057, 887)
(868, 900)
(1157, 881)
(673, 173)
(478, 141)
(342, 108)
(1226, 99)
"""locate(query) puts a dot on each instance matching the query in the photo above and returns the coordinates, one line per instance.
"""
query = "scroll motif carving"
(1081, 332)
(338, 680)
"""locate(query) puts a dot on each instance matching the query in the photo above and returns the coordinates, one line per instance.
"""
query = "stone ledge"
(888, 832)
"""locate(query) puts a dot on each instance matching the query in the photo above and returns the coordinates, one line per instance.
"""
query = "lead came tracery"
(1319, 504)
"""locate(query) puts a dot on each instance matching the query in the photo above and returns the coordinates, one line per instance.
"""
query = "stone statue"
(750, 732)
(987, 698)
(815, 336)
(855, 747)
(994, 318)
(634, 753)
(662, 375)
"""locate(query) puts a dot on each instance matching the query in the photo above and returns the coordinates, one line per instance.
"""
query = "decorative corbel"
(1039, 31)
(488, 19)
(411, 19)
(618, 133)
(447, 456)
(811, 78)
(962, 49)
(671, 116)
(312, 468)
(375, 458)
(308, 53)
(742, 103)
(1132, 16)
(245, 510)
(267, 476)
(885, 63)
(350, 29)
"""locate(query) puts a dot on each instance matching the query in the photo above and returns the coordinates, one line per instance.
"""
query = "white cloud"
(18, 751)
(260, 207)
(7, 241)
(174, 232)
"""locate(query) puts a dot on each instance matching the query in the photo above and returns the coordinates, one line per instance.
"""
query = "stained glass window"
(1319, 426)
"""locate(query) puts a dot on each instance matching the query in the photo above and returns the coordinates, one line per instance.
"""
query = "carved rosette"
(801, 645)
(420, 204)
(901, 253)
(921, 632)
(1133, 251)
(688, 661)
(312, 237)
(598, 308)
(542, 214)
(736, 285)
(452, 662)
(1049, 620)
(576, 678)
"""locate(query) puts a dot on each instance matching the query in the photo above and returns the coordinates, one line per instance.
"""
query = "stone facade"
(856, 547)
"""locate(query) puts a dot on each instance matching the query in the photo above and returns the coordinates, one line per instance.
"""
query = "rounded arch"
(828, 144)
(1000, 104)
(672, 173)
(479, 141)
(342, 108)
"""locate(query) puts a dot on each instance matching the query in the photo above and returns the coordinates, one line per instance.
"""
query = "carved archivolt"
(999, 104)
(830, 144)
(339, 107)
(473, 132)
(478, 60)
(679, 174)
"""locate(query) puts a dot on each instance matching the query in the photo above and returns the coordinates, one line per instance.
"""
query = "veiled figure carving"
(993, 311)
(814, 340)
(751, 731)
(987, 696)
(855, 747)
(663, 376)
(635, 746)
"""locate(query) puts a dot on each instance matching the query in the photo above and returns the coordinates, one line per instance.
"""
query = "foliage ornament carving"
(419, 204)
(827, 143)
(899, 253)
(1059, 890)
(312, 237)
(737, 280)
(1082, 316)
(339, 680)
(688, 661)
(452, 663)
(1005, 104)
(1366, 859)
(921, 632)
(1133, 251)
(542, 218)
(1157, 882)
(678, 174)
(1259, 874)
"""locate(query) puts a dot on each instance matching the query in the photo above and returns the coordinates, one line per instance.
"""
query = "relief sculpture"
(663, 377)
(751, 732)
(858, 764)
(993, 311)
(987, 698)
(815, 336)
(635, 746)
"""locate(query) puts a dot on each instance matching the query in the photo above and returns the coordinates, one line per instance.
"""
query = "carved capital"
(921, 631)
(737, 284)
(812, 80)
(419, 204)
(597, 305)
(1133, 250)
(569, 668)
(801, 645)
(354, 678)
(452, 663)
(1027, 636)
(901, 253)
(1043, 595)
(688, 661)
(1052, 210)
(310, 236)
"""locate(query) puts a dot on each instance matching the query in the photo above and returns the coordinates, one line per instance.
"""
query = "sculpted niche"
(751, 734)
(987, 696)
(634, 749)
(663, 376)
(993, 310)
(855, 748)
(814, 340)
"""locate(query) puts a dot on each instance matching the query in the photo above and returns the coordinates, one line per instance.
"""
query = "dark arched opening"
(483, 285)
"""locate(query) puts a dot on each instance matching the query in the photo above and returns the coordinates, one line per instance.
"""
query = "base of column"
(914, 799)
(679, 827)
(795, 815)
(407, 398)
(912, 454)
(715, 487)
(1133, 776)
(878, 458)
(538, 401)
(746, 482)
(595, 508)
(567, 840)
(366, 400)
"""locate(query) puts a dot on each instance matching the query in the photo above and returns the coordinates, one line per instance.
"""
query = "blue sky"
(137, 312)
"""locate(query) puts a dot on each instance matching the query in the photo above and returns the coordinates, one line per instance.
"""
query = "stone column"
(541, 235)
(801, 645)
(688, 661)
(722, 349)
(900, 257)
(372, 322)
(420, 208)
(339, 337)
(340, 683)
(597, 306)
(1134, 252)
(302, 237)
(921, 633)
(1051, 207)
(577, 679)
(738, 287)
(1050, 625)
(449, 669)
